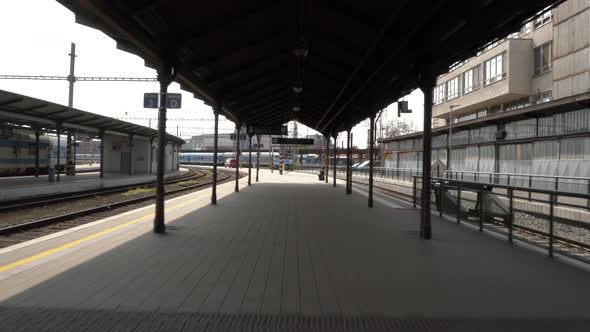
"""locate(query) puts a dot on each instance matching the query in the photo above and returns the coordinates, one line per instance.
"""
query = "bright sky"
(36, 37)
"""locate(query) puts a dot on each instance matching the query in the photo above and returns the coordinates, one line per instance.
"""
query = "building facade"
(522, 105)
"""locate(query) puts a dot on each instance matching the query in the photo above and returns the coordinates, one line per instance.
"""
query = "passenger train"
(206, 158)
(17, 153)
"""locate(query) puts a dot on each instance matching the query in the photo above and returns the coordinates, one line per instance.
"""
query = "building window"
(471, 80)
(494, 69)
(453, 88)
(542, 97)
(440, 93)
(543, 58)
(526, 29)
(543, 18)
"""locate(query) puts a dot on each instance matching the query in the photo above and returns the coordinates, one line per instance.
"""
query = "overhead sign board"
(269, 130)
(150, 100)
(292, 141)
(173, 100)
(233, 137)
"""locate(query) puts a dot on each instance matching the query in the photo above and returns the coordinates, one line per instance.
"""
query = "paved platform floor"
(289, 253)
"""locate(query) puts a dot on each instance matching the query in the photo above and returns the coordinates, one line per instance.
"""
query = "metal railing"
(571, 184)
(398, 174)
(556, 220)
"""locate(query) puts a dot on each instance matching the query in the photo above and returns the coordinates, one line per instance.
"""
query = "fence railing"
(548, 182)
(556, 220)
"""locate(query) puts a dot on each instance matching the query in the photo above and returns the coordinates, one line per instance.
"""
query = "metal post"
(336, 158)
(165, 77)
(131, 147)
(510, 213)
(414, 196)
(102, 154)
(371, 143)
(257, 156)
(551, 217)
(250, 160)
(151, 154)
(327, 158)
(481, 210)
(68, 168)
(458, 211)
(215, 142)
(237, 187)
(427, 82)
(348, 169)
(58, 151)
(37, 134)
(71, 77)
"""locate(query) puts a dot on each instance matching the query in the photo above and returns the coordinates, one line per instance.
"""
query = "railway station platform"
(288, 253)
(18, 187)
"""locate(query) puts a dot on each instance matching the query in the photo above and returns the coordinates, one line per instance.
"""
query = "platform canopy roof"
(348, 58)
(16, 109)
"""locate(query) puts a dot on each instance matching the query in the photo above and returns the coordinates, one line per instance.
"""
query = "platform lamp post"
(450, 138)
(371, 157)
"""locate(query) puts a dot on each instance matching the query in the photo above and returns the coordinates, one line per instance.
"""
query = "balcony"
(511, 83)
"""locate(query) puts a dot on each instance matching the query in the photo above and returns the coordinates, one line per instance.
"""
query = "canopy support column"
(371, 157)
(131, 148)
(335, 157)
(37, 134)
(237, 187)
(250, 159)
(257, 156)
(165, 77)
(58, 151)
(327, 158)
(426, 82)
(101, 135)
(348, 162)
(215, 150)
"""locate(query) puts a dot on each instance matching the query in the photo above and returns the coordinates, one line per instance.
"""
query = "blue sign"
(173, 100)
(150, 100)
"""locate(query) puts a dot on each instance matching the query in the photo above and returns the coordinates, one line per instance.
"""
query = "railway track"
(26, 231)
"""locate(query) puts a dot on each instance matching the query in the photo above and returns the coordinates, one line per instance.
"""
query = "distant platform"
(30, 186)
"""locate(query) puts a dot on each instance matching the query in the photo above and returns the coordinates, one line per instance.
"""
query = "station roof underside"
(40, 114)
(362, 55)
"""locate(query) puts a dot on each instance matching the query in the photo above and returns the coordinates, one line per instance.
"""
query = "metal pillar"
(426, 82)
(237, 187)
(250, 159)
(348, 156)
(257, 156)
(327, 158)
(71, 77)
(151, 154)
(165, 77)
(335, 157)
(102, 154)
(371, 157)
(68, 167)
(215, 143)
(37, 134)
(131, 144)
(58, 152)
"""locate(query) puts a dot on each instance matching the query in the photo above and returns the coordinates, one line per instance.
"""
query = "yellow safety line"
(87, 238)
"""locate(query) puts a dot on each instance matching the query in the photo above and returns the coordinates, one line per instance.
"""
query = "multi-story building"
(521, 105)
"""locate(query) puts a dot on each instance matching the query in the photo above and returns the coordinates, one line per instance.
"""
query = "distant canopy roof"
(328, 64)
(24, 110)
